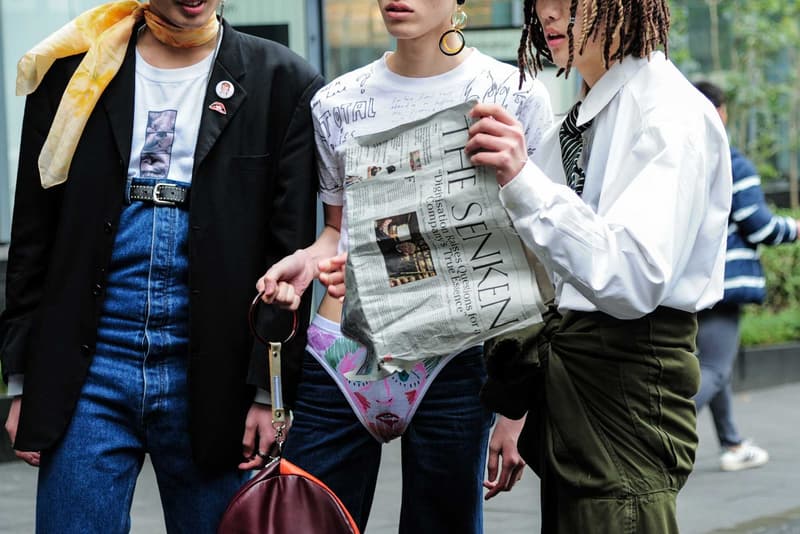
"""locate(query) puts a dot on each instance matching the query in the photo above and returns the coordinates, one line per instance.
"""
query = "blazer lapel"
(118, 101)
(221, 104)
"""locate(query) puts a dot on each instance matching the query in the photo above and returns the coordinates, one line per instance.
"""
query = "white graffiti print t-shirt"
(373, 98)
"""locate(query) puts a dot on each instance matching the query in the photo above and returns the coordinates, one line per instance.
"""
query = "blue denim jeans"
(135, 398)
(443, 449)
(717, 347)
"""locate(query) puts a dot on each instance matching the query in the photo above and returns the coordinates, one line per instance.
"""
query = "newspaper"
(434, 265)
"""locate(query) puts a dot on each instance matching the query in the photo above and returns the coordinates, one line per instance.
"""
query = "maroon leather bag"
(284, 499)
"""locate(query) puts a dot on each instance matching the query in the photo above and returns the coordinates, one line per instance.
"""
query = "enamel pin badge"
(225, 89)
(219, 107)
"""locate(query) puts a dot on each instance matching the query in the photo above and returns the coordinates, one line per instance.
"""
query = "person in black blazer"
(81, 410)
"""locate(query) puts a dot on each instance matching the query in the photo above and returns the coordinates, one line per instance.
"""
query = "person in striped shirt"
(751, 223)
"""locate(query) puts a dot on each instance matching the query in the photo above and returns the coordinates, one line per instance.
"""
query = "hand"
(332, 275)
(12, 421)
(259, 437)
(503, 443)
(286, 281)
(497, 140)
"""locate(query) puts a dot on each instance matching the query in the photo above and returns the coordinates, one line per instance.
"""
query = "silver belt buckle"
(160, 201)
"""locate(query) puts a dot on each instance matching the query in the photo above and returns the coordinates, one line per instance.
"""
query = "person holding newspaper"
(339, 424)
(626, 203)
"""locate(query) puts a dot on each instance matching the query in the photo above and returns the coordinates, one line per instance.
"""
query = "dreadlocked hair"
(642, 26)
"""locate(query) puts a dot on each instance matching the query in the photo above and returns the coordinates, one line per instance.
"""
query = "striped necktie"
(571, 137)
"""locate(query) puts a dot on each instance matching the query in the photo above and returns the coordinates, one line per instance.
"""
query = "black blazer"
(252, 202)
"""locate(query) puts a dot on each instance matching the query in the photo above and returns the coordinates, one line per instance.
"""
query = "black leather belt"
(160, 194)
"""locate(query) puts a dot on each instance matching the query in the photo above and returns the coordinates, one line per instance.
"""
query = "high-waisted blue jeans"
(135, 398)
(443, 448)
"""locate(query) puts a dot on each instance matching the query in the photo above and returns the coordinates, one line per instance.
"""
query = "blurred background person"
(751, 223)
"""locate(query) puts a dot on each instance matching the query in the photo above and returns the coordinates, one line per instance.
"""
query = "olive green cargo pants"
(611, 422)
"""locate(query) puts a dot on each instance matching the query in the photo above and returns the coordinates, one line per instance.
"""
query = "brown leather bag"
(283, 499)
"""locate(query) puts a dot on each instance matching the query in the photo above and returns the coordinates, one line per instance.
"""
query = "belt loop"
(128, 184)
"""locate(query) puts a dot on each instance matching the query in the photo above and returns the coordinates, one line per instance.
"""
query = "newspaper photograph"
(434, 264)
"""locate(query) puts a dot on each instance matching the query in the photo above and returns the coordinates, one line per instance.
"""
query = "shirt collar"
(610, 83)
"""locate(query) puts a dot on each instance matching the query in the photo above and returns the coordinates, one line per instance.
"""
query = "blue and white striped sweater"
(750, 223)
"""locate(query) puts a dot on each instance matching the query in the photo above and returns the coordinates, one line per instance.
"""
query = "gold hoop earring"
(457, 23)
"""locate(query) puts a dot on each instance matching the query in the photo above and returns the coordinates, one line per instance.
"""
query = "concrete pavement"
(763, 501)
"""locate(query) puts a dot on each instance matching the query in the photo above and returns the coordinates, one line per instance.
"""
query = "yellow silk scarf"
(103, 33)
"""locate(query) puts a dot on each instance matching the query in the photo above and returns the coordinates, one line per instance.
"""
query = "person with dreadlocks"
(626, 203)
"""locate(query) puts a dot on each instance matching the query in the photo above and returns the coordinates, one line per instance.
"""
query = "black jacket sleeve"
(34, 226)
(292, 226)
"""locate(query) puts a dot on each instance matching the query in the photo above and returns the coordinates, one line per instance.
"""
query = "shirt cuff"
(332, 199)
(15, 385)
(263, 397)
(527, 191)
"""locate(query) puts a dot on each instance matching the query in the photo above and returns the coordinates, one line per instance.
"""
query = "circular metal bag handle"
(251, 320)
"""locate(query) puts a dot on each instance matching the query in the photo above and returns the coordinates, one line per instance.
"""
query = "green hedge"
(778, 319)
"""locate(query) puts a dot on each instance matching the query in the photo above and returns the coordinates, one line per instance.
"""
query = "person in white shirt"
(339, 425)
(626, 203)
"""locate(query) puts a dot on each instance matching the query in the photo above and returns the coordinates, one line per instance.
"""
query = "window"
(355, 35)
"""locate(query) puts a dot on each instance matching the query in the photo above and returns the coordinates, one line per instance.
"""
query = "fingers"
(335, 282)
(12, 420)
(256, 462)
(271, 290)
(332, 275)
(265, 285)
(491, 483)
(492, 463)
(249, 437)
(336, 263)
(337, 290)
(491, 135)
(492, 126)
(285, 282)
(495, 111)
(497, 152)
(493, 487)
(503, 445)
(258, 438)
(30, 458)
(285, 296)
(510, 474)
(497, 140)
(268, 284)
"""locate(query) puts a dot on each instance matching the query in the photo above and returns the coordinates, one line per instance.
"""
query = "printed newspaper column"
(434, 264)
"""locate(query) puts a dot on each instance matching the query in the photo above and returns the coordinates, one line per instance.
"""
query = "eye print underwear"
(385, 407)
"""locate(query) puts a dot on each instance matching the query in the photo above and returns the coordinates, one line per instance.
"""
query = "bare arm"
(285, 282)
(504, 466)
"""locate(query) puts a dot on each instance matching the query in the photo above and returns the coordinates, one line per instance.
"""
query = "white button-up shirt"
(650, 228)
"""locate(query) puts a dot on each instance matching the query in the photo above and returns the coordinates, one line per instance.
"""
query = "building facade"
(334, 35)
